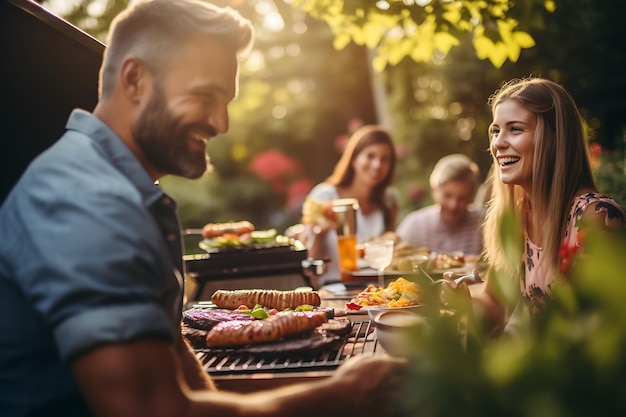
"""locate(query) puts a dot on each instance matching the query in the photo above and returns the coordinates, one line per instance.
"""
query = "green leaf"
(484, 46)
(444, 41)
(372, 34)
(341, 41)
(452, 14)
(379, 63)
(523, 39)
(550, 5)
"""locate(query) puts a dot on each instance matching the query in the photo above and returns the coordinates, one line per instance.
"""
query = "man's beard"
(164, 141)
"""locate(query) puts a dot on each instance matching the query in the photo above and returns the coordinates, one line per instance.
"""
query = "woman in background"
(542, 174)
(364, 172)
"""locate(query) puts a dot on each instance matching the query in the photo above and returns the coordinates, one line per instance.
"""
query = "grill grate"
(361, 340)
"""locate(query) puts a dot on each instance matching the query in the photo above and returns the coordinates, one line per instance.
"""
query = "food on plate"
(398, 293)
(447, 261)
(246, 332)
(280, 300)
(231, 229)
(402, 252)
(242, 237)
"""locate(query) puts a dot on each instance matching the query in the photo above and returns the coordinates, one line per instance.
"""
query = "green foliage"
(399, 29)
(610, 177)
(569, 361)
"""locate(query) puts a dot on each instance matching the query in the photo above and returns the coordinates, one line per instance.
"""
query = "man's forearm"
(194, 374)
(323, 397)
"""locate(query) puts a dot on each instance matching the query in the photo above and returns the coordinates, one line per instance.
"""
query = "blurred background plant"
(568, 362)
(424, 68)
(610, 174)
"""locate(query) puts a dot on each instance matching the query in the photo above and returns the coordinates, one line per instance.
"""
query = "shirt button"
(171, 237)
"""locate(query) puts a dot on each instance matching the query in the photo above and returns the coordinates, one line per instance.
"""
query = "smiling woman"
(542, 174)
(364, 172)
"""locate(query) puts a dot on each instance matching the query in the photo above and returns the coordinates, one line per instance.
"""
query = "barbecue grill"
(278, 267)
(230, 366)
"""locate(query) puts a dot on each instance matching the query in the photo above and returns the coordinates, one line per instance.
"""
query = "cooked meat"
(339, 327)
(282, 325)
(206, 318)
(277, 299)
(308, 345)
(197, 337)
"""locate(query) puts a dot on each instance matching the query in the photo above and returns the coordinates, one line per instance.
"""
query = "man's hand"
(372, 384)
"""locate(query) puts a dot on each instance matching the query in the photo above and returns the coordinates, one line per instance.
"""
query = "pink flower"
(272, 165)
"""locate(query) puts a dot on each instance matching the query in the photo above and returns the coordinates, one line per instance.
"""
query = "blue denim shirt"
(90, 254)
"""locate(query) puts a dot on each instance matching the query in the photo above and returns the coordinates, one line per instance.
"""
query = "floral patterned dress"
(538, 277)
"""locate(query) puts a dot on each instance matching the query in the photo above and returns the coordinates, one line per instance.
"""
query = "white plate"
(373, 311)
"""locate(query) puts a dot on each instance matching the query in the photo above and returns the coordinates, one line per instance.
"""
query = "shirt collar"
(116, 151)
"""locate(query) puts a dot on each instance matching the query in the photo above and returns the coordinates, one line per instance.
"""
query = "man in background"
(452, 223)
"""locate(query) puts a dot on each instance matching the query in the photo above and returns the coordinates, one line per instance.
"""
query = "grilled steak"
(282, 325)
(206, 318)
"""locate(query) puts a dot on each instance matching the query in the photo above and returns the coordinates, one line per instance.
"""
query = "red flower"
(273, 165)
(568, 252)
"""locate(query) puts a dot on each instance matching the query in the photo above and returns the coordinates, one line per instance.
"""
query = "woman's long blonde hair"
(561, 167)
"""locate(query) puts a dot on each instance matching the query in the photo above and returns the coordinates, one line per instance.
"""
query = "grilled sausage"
(277, 299)
(282, 325)
(212, 230)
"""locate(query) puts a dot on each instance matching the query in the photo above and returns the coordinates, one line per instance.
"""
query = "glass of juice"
(345, 210)
(346, 246)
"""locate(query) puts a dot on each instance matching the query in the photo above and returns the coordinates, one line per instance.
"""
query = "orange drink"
(347, 256)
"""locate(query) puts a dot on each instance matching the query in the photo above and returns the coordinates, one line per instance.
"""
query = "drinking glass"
(345, 211)
(346, 246)
(379, 254)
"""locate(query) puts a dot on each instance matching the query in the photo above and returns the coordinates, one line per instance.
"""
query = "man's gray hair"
(455, 167)
(153, 31)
